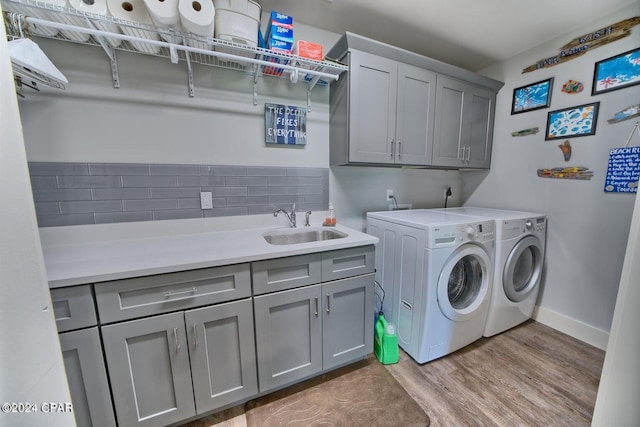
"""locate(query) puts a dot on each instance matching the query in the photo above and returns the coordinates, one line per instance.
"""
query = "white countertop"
(90, 254)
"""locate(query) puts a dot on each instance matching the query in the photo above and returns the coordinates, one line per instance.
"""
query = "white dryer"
(436, 270)
(519, 262)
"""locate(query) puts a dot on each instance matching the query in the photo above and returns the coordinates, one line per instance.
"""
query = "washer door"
(463, 284)
(523, 269)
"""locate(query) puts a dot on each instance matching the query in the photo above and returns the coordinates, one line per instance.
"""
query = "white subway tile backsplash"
(97, 193)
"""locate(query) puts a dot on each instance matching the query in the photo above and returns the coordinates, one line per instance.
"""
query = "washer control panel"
(477, 231)
(451, 235)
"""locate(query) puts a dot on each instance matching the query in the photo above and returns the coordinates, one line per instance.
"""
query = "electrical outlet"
(206, 201)
(389, 194)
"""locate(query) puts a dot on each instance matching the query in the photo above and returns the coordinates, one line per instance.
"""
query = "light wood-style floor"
(531, 375)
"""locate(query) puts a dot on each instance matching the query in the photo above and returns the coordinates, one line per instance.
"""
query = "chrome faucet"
(290, 216)
(306, 219)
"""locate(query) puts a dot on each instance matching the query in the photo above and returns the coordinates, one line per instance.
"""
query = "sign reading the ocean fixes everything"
(623, 170)
(285, 124)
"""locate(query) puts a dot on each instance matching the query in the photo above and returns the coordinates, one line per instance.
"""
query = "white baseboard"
(578, 330)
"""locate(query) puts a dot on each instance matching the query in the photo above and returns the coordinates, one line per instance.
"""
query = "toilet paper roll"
(164, 14)
(98, 7)
(197, 17)
(135, 10)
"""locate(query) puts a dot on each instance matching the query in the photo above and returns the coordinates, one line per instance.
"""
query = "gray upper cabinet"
(463, 124)
(389, 108)
(397, 108)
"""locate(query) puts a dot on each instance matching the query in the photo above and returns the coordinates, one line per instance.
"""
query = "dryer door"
(523, 269)
(463, 285)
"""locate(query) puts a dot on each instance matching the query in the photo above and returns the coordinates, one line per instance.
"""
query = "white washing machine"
(436, 270)
(519, 262)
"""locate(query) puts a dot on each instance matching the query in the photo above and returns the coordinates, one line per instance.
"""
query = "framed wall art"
(617, 72)
(572, 122)
(532, 97)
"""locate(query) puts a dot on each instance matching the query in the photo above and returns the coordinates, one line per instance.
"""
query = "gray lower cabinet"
(170, 367)
(82, 354)
(223, 357)
(347, 320)
(87, 377)
(288, 335)
(306, 330)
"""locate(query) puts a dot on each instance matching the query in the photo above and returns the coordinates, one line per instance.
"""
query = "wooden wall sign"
(285, 124)
(592, 40)
(623, 170)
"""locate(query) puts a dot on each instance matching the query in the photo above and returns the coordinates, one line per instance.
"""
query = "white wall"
(588, 229)
(617, 401)
(31, 367)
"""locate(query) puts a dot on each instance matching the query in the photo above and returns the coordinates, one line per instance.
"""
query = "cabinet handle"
(399, 148)
(391, 153)
(186, 291)
(468, 154)
(328, 303)
(175, 336)
(461, 153)
(195, 337)
(317, 305)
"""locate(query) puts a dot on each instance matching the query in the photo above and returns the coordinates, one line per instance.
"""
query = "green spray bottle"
(385, 342)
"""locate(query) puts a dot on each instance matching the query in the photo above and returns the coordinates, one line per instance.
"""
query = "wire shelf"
(35, 17)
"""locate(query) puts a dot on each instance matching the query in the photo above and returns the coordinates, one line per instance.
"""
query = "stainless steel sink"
(294, 236)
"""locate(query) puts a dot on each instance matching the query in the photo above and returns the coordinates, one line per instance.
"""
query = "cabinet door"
(148, 363)
(415, 115)
(87, 378)
(448, 145)
(372, 111)
(481, 107)
(347, 320)
(223, 356)
(288, 335)
(463, 130)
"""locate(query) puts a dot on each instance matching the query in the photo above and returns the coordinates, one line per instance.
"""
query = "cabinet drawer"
(285, 273)
(73, 307)
(143, 296)
(347, 263)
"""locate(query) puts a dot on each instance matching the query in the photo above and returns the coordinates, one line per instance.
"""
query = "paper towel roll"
(164, 14)
(65, 19)
(98, 7)
(197, 17)
(29, 11)
(135, 10)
